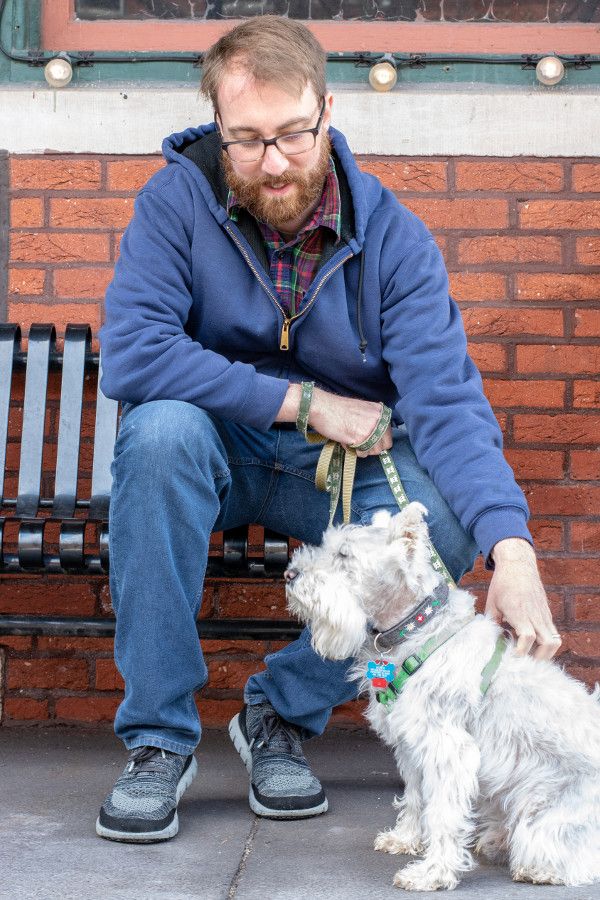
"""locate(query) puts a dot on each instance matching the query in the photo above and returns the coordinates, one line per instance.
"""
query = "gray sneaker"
(142, 806)
(281, 783)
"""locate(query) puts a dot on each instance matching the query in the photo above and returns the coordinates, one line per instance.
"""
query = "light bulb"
(59, 71)
(550, 70)
(383, 76)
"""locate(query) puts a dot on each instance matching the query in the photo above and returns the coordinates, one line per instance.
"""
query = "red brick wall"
(521, 239)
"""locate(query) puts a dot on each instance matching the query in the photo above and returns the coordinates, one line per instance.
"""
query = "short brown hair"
(272, 49)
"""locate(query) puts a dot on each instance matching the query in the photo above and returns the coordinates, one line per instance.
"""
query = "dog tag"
(380, 672)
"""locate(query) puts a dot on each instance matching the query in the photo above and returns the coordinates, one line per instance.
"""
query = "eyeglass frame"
(273, 141)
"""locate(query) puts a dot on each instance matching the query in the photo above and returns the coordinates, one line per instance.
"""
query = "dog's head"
(358, 574)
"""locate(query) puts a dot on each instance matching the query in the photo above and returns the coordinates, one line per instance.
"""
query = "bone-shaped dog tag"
(380, 672)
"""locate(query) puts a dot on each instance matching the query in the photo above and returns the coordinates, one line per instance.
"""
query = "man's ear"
(328, 108)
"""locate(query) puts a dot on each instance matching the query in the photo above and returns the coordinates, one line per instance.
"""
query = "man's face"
(281, 190)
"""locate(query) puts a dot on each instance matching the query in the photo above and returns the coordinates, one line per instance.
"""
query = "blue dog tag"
(381, 670)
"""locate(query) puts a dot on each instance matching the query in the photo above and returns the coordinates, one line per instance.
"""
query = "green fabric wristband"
(304, 408)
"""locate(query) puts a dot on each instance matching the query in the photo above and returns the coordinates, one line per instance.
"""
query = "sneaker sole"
(146, 837)
(239, 742)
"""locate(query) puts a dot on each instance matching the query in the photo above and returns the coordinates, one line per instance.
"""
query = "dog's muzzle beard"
(338, 625)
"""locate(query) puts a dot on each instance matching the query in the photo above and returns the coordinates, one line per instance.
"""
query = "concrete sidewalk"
(52, 782)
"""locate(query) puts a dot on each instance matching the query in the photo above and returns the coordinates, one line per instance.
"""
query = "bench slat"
(105, 435)
(78, 341)
(71, 545)
(10, 341)
(41, 339)
(30, 544)
(69, 626)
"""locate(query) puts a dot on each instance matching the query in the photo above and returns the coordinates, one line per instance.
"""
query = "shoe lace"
(147, 759)
(276, 734)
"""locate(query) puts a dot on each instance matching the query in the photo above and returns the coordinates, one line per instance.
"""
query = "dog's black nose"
(290, 574)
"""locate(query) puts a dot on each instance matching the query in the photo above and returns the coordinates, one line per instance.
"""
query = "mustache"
(281, 181)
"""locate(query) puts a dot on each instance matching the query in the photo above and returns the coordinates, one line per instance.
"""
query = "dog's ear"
(409, 525)
(381, 519)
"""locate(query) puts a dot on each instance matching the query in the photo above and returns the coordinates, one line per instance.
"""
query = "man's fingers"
(546, 639)
(547, 645)
(525, 639)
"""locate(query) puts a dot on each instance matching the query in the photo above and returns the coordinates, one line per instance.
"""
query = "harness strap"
(410, 665)
(414, 662)
(491, 667)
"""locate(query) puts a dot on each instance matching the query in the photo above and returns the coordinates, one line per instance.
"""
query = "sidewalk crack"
(232, 892)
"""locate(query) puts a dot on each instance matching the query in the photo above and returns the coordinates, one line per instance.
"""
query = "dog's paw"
(494, 849)
(393, 842)
(423, 876)
(543, 875)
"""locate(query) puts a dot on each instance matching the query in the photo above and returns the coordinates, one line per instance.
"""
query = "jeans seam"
(249, 461)
(275, 470)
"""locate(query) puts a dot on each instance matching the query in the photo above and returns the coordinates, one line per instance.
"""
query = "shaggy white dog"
(511, 770)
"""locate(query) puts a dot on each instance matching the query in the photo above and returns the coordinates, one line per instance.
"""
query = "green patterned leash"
(337, 467)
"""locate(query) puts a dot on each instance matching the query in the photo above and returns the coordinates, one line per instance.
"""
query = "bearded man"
(258, 258)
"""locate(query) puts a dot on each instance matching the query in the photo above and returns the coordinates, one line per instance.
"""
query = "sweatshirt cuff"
(497, 524)
(263, 401)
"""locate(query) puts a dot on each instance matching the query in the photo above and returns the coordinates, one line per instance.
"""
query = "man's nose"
(290, 574)
(273, 161)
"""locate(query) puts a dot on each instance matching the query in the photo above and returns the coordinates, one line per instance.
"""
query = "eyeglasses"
(288, 144)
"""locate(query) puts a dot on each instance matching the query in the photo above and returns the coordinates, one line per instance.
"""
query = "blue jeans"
(179, 474)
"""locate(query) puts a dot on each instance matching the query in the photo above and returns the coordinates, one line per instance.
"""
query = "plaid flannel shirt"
(293, 264)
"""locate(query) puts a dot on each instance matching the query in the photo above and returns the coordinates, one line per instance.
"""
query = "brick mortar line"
(537, 340)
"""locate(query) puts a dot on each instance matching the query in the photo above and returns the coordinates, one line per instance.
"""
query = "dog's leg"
(560, 842)
(491, 839)
(450, 760)
(406, 836)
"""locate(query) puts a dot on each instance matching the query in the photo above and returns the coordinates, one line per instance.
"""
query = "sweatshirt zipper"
(284, 340)
(284, 343)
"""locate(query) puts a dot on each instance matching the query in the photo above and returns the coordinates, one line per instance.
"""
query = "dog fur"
(513, 774)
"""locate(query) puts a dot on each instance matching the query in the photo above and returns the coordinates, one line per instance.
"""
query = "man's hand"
(516, 595)
(347, 420)
(344, 419)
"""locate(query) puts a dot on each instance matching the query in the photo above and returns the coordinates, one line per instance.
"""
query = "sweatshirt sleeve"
(146, 353)
(449, 421)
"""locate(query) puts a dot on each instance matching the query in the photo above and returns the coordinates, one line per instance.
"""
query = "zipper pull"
(284, 341)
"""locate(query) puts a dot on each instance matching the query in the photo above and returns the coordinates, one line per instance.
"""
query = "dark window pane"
(515, 11)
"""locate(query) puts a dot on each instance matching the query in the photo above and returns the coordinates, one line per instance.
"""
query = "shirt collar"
(327, 213)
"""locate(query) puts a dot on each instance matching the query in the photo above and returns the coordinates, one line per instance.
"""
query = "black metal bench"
(46, 527)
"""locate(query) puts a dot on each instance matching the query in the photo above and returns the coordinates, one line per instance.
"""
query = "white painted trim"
(422, 120)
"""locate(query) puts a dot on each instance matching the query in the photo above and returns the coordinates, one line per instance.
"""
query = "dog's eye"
(343, 551)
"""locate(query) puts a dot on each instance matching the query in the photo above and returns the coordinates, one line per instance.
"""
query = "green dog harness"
(414, 662)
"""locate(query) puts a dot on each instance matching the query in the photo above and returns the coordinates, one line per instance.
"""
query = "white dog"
(498, 753)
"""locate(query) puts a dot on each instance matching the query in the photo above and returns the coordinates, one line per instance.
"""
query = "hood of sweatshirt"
(198, 150)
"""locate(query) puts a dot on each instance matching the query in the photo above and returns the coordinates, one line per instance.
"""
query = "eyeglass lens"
(288, 144)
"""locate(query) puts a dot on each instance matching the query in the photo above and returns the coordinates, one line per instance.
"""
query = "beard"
(278, 211)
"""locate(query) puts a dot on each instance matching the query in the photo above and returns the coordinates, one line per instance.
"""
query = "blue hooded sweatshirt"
(192, 314)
